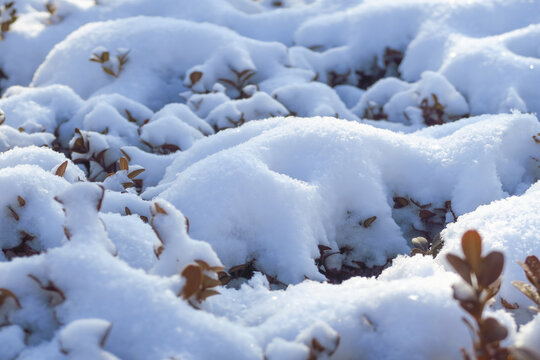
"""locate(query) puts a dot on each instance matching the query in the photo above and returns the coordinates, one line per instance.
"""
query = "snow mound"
(272, 191)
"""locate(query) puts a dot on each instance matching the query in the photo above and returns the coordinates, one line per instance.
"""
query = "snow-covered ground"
(246, 179)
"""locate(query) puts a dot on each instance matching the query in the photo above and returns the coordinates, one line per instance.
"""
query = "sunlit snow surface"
(267, 131)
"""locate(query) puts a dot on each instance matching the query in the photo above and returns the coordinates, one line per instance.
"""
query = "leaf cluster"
(107, 65)
(531, 267)
(482, 280)
(8, 15)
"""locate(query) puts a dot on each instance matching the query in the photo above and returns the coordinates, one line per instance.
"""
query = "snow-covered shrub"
(430, 101)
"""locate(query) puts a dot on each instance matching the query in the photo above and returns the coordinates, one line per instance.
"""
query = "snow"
(244, 179)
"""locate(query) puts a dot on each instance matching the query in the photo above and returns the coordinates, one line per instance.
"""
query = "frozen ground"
(247, 179)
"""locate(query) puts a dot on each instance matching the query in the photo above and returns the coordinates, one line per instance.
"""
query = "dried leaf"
(159, 250)
(369, 221)
(462, 267)
(6, 294)
(217, 269)
(109, 71)
(62, 169)
(508, 305)
(492, 330)
(195, 76)
(21, 201)
(13, 213)
(127, 211)
(205, 294)
(400, 202)
(532, 270)
(208, 282)
(528, 290)
(159, 209)
(194, 279)
(125, 154)
(132, 175)
(124, 163)
(491, 267)
(316, 345)
(128, 185)
(203, 264)
(426, 214)
(471, 243)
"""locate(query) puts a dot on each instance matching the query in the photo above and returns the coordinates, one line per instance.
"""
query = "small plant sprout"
(482, 281)
(112, 66)
(52, 10)
(8, 15)
(239, 82)
(531, 267)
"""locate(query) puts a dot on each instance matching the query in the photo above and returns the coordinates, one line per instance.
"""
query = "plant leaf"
(205, 294)
(491, 267)
(6, 294)
(462, 267)
(62, 169)
(369, 221)
(528, 290)
(124, 163)
(194, 279)
(195, 76)
(471, 243)
(132, 175)
(492, 330)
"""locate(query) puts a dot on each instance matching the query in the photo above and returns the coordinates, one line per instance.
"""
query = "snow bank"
(299, 183)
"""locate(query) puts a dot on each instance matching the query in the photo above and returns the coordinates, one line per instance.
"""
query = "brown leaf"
(62, 169)
(471, 243)
(426, 214)
(125, 154)
(159, 250)
(203, 264)
(528, 290)
(21, 201)
(105, 336)
(508, 305)
(128, 185)
(124, 163)
(195, 76)
(492, 330)
(132, 175)
(491, 267)
(6, 294)
(400, 202)
(316, 345)
(127, 211)
(208, 282)
(13, 213)
(205, 294)
(369, 221)
(217, 269)
(194, 279)
(532, 270)
(159, 209)
(109, 71)
(56, 295)
(462, 267)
